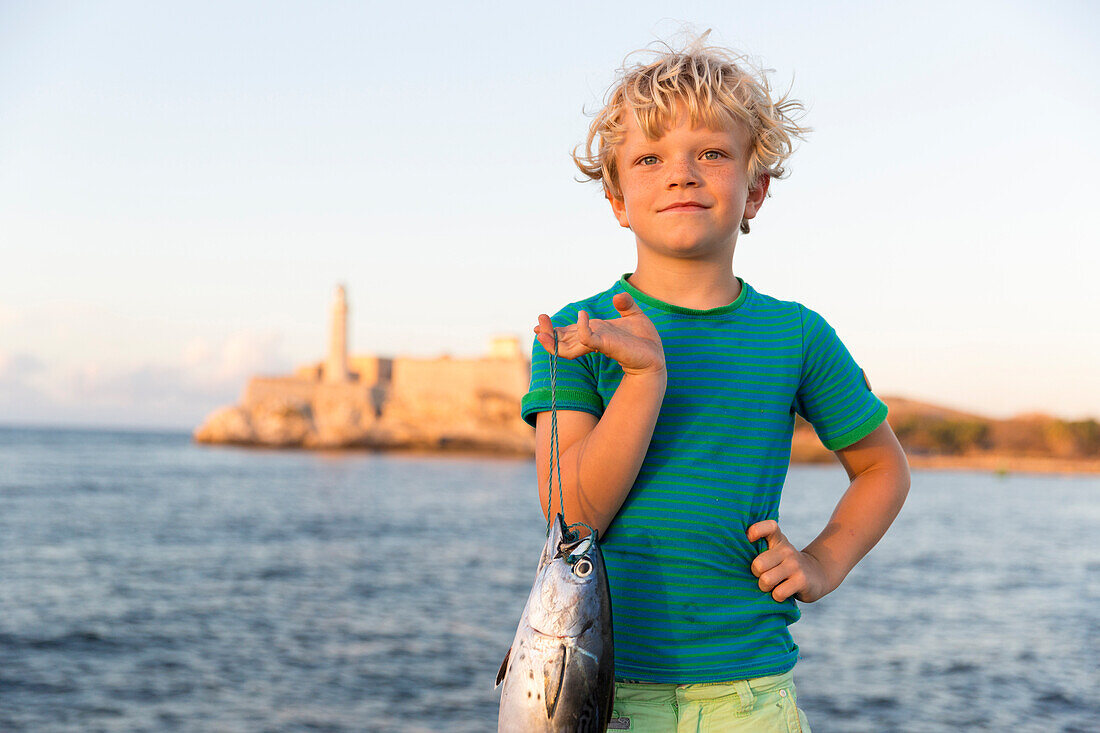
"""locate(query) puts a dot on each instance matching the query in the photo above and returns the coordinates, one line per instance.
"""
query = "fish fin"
(503, 669)
(553, 676)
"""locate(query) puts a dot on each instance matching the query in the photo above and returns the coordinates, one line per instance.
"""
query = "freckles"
(726, 176)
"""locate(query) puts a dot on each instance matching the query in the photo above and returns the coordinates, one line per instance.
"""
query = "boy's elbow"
(904, 479)
(900, 463)
(895, 463)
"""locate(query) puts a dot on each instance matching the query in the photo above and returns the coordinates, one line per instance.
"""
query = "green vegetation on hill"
(932, 435)
(930, 430)
(927, 431)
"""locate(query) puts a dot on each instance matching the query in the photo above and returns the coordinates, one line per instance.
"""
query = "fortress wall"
(348, 393)
(420, 385)
(293, 389)
(304, 391)
(448, 380)
(365, 369)
(372, 370)
(311, 372)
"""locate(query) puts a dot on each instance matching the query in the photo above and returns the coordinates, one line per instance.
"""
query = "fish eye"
(582, 568)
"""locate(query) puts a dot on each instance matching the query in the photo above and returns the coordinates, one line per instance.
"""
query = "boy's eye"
(648, 160)
(712, 155)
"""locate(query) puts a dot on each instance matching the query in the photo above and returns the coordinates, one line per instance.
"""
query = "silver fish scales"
(559, 674)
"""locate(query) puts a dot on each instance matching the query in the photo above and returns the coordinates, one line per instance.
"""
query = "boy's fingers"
(764, 562)
(766, 529)
(547, 342)
(545, 334)
(625, 304)
(784, 580)
(584, 331)
(773, 578)
(785, 590)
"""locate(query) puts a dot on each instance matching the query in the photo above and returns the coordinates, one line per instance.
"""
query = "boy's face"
(684, 194)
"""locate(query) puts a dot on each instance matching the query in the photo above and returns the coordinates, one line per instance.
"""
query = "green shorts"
(759, 705)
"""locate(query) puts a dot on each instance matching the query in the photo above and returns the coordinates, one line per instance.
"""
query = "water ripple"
(150, 584)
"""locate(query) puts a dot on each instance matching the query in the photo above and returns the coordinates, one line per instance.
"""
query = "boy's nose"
(682, 174)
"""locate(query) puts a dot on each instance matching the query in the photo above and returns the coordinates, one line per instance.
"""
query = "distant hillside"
(935, 436)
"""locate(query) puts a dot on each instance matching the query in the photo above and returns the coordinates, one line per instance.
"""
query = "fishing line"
(555, 466)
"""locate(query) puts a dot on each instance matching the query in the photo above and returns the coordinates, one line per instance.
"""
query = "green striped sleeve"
(576, 380)
(833, 394)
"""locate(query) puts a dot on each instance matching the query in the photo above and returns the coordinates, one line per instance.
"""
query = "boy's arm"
(879, 474)
(600, 458)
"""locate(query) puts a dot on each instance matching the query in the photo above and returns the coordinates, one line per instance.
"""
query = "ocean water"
(149, 584)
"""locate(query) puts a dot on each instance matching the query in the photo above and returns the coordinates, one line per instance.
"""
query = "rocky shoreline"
(471, 405)
(475, 428)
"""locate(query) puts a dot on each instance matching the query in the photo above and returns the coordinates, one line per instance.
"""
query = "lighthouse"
(336, 365)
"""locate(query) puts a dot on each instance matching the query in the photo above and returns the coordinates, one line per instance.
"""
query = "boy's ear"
(618, 207)
(757, 194)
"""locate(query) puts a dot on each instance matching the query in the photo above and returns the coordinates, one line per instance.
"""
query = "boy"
(677, 394)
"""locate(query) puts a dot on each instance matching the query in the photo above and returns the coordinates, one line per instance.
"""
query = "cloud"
(20, 393)
(207, 371)
(17, 368)
(206, 374)
(229, 361)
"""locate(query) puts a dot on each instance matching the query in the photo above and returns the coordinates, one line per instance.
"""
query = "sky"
(183, 184)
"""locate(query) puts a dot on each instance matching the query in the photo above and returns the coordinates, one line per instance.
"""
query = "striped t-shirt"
(686, 607)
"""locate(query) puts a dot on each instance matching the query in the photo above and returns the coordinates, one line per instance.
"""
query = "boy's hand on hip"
(783, 570)
(631, 339)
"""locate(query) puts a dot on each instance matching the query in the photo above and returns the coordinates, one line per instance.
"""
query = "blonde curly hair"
(717, 87)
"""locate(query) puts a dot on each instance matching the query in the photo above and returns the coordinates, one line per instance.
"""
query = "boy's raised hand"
(783, 570)
(631, 339)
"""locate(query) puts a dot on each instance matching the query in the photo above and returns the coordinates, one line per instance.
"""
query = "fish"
(559, 674)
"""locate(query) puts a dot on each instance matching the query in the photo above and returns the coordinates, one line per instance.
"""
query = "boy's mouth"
(684, 206)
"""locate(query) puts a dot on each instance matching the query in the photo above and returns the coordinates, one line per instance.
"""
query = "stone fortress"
(368, 401)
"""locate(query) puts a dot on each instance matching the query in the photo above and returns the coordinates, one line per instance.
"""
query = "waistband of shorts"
(766, 683)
